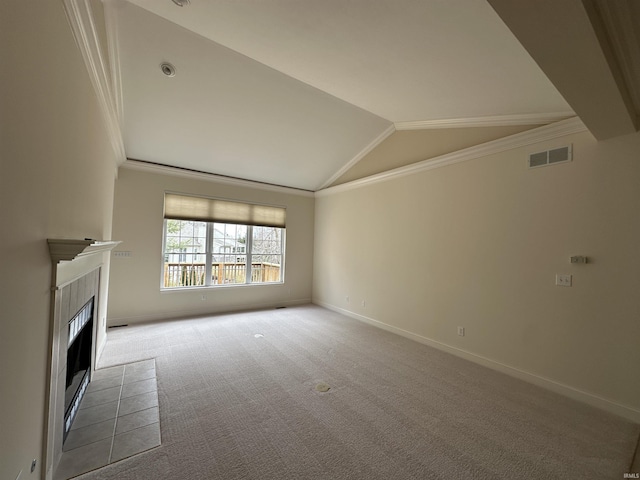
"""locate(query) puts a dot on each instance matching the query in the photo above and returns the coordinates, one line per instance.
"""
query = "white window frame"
(209, 253)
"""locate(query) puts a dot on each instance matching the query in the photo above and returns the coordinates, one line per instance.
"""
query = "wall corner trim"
(610, 406)
(540, 134)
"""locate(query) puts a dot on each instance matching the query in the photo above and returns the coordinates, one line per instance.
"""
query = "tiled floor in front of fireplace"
(118, 418)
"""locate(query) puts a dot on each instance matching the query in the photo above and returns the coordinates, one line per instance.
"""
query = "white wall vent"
(550, 157)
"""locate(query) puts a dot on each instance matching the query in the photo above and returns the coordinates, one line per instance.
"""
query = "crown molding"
(376, 141)
(540, 134)
(490, 121)
(113, 49)
(142, 166)
(81, 18)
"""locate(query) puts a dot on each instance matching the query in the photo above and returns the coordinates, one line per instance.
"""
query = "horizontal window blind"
(185, 207)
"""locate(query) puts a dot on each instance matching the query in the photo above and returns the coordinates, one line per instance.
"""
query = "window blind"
(185, 207)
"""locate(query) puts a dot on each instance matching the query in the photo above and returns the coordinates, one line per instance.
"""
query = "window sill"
(216, 287)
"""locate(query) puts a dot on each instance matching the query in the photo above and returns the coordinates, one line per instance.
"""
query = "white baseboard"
(158, 317)
(566, 390)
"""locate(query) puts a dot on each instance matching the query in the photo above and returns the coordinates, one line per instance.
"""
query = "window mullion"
(208, 255)
(248, 257)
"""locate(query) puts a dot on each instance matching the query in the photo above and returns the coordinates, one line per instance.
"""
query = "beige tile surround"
(118, 418)
(68, 300)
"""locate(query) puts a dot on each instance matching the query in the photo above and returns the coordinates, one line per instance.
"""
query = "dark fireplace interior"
(78, 362)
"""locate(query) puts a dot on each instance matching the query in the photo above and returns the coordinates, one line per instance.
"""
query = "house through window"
(199, 251)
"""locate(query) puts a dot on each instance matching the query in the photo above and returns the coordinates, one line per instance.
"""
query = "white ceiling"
(288, 92)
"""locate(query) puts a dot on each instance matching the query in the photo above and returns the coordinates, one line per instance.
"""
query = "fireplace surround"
(78, 267)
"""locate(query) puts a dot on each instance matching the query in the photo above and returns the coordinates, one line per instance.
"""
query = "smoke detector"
(181, 3)
(168, 69)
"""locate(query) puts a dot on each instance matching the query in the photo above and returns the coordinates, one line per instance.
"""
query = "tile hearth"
(118, 418)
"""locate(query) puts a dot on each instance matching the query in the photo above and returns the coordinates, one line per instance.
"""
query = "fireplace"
(76, 336)
(78, 375)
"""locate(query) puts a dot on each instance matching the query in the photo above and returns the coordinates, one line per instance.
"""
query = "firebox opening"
(78, 362)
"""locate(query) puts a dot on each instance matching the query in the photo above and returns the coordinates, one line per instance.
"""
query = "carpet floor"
(306, 393)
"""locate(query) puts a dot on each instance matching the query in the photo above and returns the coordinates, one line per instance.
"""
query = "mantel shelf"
(66, 250)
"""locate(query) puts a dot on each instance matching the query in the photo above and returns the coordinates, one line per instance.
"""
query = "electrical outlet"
(563, 280)
(346, 299)
(461, 331)
(203, 297)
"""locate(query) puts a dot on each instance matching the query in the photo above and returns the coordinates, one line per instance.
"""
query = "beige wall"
(478, 244)
(405, 147)
(134, 290)
(56, 181)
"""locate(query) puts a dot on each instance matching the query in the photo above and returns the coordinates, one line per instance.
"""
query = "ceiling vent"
(550, 157)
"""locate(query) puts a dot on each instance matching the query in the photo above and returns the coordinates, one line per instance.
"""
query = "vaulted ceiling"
(297, 92)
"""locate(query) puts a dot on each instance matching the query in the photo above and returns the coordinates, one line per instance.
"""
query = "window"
(201, 251)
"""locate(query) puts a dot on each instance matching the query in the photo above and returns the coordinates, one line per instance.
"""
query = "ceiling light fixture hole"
(168, 69)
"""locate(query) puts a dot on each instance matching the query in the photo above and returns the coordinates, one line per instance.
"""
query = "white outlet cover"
(564, 280)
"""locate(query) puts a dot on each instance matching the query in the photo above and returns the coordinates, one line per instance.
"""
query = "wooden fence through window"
(193, 274)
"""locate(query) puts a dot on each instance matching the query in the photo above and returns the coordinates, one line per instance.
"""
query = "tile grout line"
(115, 425)
(117, 415)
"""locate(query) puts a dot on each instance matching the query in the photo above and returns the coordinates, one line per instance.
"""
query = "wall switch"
(364, 304)
(563, 280)
(203, 297)
(121, 254)
(461, 331)
(346, 299)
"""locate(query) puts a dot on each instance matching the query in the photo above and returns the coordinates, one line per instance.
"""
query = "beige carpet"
(305, 393)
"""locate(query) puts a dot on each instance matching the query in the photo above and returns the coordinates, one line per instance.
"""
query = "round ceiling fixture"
(181, 3)
(168, 69)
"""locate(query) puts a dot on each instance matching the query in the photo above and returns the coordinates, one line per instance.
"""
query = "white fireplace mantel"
(65, 250)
